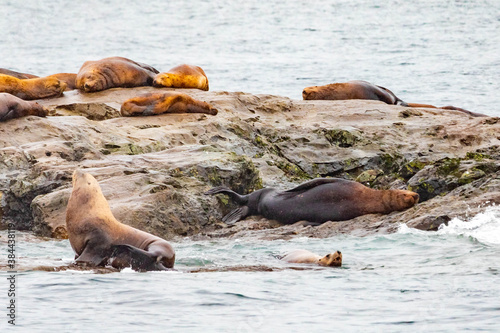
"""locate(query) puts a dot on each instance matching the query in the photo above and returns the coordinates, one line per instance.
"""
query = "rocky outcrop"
(154, 170)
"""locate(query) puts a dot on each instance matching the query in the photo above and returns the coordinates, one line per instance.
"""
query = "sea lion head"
(403, 199)
(332, 259)
(38, 110)
(87, 195)
(91, 81)
(52, 86)
(164, 80)
(309, 93)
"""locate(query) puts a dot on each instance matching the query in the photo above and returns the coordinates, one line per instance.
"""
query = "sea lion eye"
(328, 256)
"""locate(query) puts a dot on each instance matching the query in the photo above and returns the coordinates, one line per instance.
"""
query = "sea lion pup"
(68, 78)
(113, 72)
(98, 238)
(13, 107)
(17, 74)
(37, 88)
(183, 76)
(165, 102)
(306, 257)
(317, 201)
(358, 89)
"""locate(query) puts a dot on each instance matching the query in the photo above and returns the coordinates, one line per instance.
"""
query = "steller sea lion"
(183, 76)
(306, 257)
(113, 72)
(165, 102)
(17, 74)
(98, 238)
(317, 201)
(13, 107)
(358, 89)
(36, 88)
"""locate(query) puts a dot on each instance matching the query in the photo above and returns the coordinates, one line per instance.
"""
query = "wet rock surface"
(153, 170)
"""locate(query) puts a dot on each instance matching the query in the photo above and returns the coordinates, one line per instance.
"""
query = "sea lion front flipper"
(313, 183)
(130, 256)
(235, 215)
(93, 254)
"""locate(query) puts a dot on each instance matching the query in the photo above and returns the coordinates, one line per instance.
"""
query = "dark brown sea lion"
(37, 88)
(17, 74)
(114, 72)
(364, 90)
(68, 78)
(98, 238)
(183, 76)
(306, 257)
(13, 107)
(165, 102)
(317, 201)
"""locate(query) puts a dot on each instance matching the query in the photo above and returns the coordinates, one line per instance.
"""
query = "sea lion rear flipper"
(235, 215)
(241, 199)
(130, 256)
(313, 183)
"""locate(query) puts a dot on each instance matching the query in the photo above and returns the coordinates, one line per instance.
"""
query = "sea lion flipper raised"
(240, 199)
(124, 255)
(236, 215)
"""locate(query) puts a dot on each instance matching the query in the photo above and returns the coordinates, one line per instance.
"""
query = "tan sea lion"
(183, 76)
(17, 74)
(13, 107)
(68, 78)
(358, 89)
(165, 102)
(114, 72)
(37, 88)
(98, 238)
(306, 257)
(317, 201)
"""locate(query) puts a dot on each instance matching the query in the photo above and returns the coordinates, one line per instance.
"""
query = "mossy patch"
(449, 166)
(341, 138)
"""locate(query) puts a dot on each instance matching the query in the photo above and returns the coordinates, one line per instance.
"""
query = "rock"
(154, 170)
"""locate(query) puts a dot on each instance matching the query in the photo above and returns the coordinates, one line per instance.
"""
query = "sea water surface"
(435, 51)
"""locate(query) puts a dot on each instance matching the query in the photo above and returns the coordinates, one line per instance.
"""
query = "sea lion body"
(13, 107)
(113, 72)
(350, 90)
(36, 88)
(306, 257)
(183, 76)
(318, 201)
(98, 238)
(17, 74)
(165, 102)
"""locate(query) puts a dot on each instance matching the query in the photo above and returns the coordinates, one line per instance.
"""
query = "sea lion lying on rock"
(13, 107)
(166, 102)
(358, 89)
(183, 76)
(306, 257)
(36, 88)
(114, 72)
(17, 74)
(99, 239)
(68, 78)
(317, 201)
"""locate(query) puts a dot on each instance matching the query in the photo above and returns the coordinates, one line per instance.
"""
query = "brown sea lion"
(68, 78)
(183, 76)
(13, 107)
(37, 88)
(317, 201)
(165, 102)
(98, 238)
(306, 257)
(17, 74)
(358, 89)
(114, 72)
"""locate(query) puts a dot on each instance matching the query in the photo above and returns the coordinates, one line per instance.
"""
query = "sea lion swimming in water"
(317, 201)
(306, 257)
(13, 107)
(99, 239)
(359, 89)
(113, 72)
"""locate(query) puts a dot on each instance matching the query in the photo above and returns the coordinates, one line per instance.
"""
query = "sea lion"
(165, 102)
(306, 257)
(36, 88)
(98, 238)
(13, 107)
(183, 76)
(113, 72)
(17, 74)
(317, 201)
(68, 78)
(358, 89)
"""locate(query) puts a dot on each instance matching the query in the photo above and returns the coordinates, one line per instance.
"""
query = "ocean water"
(435, 51)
